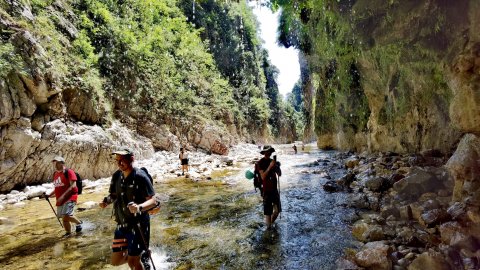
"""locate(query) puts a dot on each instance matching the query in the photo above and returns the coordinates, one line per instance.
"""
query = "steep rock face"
(52, 103)
(393, 76)
(26, 157)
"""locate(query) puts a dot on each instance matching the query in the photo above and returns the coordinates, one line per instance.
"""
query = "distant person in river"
(66, 194)
(294, 148)
(269, 170)
(130, 187)
(183, 156)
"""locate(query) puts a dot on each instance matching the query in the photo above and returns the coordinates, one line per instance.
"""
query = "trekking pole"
(145, 243)
(143, 240)
(280, 213)
(46, 197)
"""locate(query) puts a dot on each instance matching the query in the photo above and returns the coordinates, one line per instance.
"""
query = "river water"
(215, 224)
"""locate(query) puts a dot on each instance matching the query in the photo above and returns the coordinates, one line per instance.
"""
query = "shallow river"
(215, 224)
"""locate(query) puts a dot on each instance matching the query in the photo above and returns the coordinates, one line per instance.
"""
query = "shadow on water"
(215, 224)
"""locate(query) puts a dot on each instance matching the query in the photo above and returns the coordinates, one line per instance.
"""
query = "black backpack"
(148, 174)
(78, 182)
(257, 179)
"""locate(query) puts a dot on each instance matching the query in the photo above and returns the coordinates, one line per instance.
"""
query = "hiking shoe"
(78, 227)
(145, 259)
(67, 234)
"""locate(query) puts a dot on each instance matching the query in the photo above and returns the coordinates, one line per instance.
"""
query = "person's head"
(124, 158)
(267, 151)
(59, 163)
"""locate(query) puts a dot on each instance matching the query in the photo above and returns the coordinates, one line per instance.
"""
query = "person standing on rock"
(183, 156)
(129, 186)
(66, 194)
(269, 170)
(294, 148)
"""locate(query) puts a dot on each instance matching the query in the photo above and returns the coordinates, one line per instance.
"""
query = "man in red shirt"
(66, 193)
(269, 169)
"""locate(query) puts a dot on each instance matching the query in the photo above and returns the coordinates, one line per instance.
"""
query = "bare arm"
(264, 174)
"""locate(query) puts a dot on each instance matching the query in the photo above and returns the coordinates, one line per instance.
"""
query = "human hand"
(133, 207)
(103, 204)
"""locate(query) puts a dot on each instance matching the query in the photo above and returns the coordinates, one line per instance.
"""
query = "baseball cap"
(123, 151)
(59, 159)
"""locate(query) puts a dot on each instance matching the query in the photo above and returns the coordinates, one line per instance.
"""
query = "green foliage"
(9, 60)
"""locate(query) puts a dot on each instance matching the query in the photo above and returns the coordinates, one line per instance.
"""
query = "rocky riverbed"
(408, 214)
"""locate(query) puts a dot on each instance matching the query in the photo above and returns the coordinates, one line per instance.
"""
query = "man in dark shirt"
(269, 169)
(129, 185)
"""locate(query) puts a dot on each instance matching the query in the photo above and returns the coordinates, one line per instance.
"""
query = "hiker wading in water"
(66, 194)
(129, 186)
(269, 169)
(183, 156)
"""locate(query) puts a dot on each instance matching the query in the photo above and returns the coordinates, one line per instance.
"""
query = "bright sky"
(286, 60)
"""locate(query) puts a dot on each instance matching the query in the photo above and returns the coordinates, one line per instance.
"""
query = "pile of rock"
(415, 214)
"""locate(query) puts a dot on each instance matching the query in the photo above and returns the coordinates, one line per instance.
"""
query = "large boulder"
(429, 260)
(374, 255)
(464, 166)
(417, 182)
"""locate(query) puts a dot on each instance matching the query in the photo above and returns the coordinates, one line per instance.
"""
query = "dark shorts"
(269, 199)
(185, 161)
(128, 238)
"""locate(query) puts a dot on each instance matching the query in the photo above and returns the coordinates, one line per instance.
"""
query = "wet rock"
(456, 210)
(374, 233)
(374, 255)
(377, 184)
(358, 230)
(359, 201)
(461, 240)
(395, 178)
(34, 191)
(431, 204)
(332, 186)
(473, 215)
(434, 217)
(405, 212)
(5, 221)
(429, 260)
(447, 231)
(352, 162)
(344, 264)
(346, 180)
(390, 211)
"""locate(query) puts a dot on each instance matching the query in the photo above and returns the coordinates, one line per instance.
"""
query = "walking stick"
(46, 197)
(145, 243)
(280, 213)
(143, 240)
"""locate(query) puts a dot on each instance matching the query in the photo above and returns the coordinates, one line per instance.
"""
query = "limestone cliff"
(389, 75)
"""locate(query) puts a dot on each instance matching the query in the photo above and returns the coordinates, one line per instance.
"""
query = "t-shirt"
(62, 184)
(270, 182)
(136, 187)
(184, 155)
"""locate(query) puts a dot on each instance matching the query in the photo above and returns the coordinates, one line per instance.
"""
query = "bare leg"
(119, 258)
(275, 213)
(268, 221)
(134, 263)
(66, 224)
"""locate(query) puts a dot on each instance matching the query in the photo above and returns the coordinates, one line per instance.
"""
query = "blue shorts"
(127, 237)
